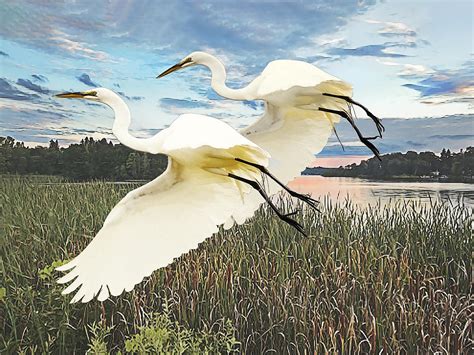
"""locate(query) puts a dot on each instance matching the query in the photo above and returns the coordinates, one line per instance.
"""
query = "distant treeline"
(449, 166)
(91, 159)
(88, 160)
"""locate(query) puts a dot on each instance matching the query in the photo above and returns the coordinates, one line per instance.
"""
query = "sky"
(410, 62)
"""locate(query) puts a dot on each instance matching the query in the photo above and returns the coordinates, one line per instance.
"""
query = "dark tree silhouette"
(87, 160)
(451, 166)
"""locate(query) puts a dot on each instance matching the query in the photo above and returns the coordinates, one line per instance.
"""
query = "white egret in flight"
(211, 169)
(302, 105)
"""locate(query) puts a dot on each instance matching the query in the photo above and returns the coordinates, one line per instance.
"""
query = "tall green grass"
(392, 278)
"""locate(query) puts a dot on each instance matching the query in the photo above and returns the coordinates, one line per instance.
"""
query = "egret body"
(211, 170)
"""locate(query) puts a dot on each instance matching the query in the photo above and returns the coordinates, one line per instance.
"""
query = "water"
(364, 192)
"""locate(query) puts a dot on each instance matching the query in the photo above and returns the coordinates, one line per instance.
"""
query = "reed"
(395, 278)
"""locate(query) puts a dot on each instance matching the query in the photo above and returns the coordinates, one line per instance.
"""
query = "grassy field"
(392, 279)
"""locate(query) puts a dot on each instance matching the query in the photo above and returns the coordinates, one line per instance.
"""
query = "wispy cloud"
(442, 85)
(172, 105)
(86, 79)
(453, 136)
(39, 78)
(371, 50)
(50, 26)
(438, 86)
(26, 83)
(266, 31)
(391, 29)
(80, 49)
(41, 125)
(8, 91)
(409, 70)
(131, 98)
(419, 134)
(19, 119)
(254, 105)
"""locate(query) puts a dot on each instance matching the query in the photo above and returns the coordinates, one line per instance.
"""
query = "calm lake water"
(362, 191)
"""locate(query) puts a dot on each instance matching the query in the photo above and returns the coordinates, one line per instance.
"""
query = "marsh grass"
(391, 278)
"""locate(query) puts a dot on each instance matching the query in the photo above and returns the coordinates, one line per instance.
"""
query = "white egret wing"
(150, 227)
(285, 75)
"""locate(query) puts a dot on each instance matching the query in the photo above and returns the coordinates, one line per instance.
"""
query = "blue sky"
(411, 62)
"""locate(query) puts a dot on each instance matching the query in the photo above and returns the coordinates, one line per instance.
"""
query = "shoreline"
(464, 180)
(461, 179)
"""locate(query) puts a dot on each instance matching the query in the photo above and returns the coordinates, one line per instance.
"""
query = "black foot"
(378, 123)
(293, 223)
(365, 140)
(306, 198)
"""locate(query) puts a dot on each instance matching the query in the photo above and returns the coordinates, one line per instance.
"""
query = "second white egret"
(302, 105)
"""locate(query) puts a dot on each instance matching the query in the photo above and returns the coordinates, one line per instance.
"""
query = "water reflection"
(364, 191)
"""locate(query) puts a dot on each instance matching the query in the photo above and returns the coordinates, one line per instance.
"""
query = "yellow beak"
(71, 95)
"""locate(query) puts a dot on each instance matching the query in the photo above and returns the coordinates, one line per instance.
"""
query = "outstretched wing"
(286, 75)
(150, 227)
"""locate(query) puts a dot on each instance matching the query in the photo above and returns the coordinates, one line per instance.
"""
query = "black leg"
(283, 217)
(305, 198)
(378, 123)
(365, 140)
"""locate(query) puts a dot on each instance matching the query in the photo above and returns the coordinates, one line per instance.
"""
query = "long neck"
(122, 124)
(219, 76)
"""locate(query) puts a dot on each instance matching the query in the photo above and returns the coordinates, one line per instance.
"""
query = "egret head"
(97, 94)
(195, 58)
